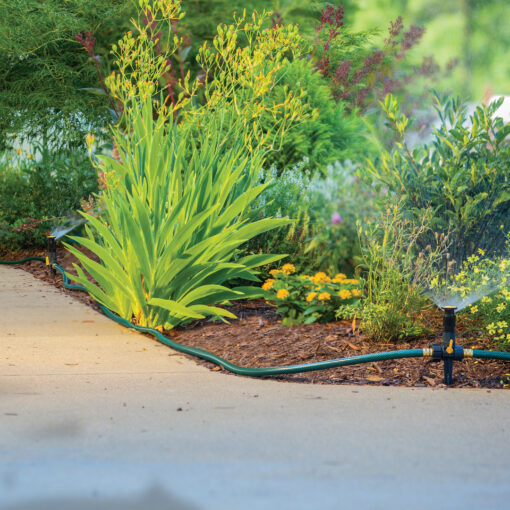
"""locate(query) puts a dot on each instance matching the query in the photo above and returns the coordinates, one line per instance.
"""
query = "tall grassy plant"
(175, 214)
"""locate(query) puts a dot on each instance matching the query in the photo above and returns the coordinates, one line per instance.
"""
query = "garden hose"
(436, 352)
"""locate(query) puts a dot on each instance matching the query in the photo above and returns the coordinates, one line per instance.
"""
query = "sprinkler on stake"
(447, 350)
(51, 258)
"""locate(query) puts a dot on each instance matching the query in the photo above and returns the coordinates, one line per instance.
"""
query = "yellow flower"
(268, 284)
(282, 294)
(30, 156)
(351, 281)
(19, 151)
(324, 296)
(500, 307)
(340, 276)
(311, 296)
(474, 309)
(288, 268)
(356, 293)
(90, 138)
(345, 294)
(274, 272)
(320, 277)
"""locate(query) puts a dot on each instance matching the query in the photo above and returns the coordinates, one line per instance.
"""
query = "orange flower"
(282, 294)
(311, 296)
(268, 284)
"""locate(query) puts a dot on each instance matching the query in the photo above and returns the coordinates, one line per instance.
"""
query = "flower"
(352, 280)
(288, 268)
(474, 309)
(324, 296)
(356, 293)
(336, 219)
(345, 294)
(274, 272)
(282, 294)
(268, 284)
(340, 276)
(320, 277)
(30, 156)
(310, 296)
(19, 151)
(90, 138)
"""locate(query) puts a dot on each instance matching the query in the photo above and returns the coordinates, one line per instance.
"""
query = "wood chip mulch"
(257, 339)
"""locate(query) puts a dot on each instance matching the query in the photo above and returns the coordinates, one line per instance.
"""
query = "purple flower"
(336, 219)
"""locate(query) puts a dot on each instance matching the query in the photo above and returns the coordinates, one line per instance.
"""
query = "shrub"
(394, 272)
(40, 189)
(329, 135)
(173, 220)
(303, 299)
(462, 178)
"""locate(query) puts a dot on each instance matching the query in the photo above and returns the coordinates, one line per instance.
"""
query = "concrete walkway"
(94, 416)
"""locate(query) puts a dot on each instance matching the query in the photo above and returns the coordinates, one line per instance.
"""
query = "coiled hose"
(269, 371)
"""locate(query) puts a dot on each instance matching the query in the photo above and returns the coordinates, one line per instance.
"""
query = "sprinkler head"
(449, 319)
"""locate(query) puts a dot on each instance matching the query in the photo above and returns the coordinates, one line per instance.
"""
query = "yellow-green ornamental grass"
(303, 299)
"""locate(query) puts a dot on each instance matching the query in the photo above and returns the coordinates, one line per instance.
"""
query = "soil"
(258, 339)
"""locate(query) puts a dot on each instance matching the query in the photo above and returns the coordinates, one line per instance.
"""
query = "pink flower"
(336, 219)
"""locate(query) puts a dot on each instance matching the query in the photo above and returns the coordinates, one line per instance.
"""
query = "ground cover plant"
(304, 299)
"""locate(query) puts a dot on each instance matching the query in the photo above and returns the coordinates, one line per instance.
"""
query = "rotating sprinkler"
(446, 350)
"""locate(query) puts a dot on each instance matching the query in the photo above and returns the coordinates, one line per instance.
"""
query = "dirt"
(258, 339)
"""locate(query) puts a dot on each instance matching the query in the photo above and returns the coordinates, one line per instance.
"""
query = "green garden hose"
(264, 372)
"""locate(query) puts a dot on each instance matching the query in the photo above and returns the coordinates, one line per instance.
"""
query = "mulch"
(258, 339)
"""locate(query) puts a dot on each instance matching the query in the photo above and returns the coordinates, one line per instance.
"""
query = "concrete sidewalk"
(93, 415)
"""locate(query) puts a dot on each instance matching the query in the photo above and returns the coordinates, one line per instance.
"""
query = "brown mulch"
(257, 339)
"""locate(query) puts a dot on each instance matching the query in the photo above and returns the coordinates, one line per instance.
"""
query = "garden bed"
(257, 339)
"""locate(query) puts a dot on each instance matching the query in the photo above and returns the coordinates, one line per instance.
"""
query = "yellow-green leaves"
(173, 222)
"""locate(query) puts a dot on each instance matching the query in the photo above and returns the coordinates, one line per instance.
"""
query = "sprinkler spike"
(448, 343)
(52, 252)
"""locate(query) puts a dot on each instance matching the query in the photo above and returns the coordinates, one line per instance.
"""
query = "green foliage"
(44, 70)
(303, 299)
(48, 188)
(328, 136)
(174, 209)
(326, 210)
(492, 315)
(392, 269)
(461, 179)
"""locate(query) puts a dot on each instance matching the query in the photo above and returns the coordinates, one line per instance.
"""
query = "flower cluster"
(303, 299)
(493, 313)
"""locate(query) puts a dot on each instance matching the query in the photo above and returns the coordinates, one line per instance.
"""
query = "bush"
(51, 187)
(330, 135)
(394, 272)
(461, 179)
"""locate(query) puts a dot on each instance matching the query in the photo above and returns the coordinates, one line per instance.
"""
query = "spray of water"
(66, 227)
